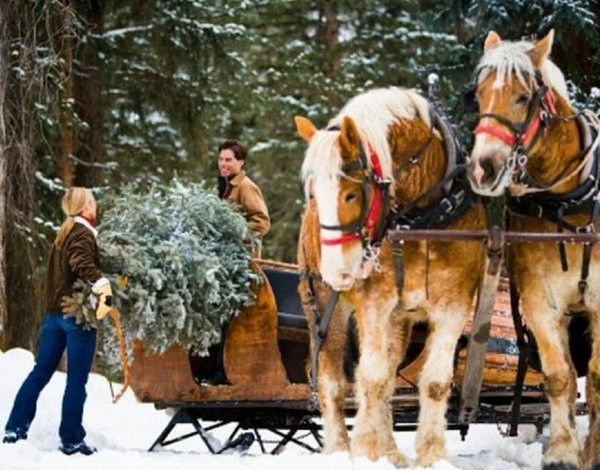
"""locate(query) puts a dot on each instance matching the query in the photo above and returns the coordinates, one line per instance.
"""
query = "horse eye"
(523, 99)
(350, 197)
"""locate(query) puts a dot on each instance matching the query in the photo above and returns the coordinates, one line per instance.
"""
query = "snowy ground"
(124, 431)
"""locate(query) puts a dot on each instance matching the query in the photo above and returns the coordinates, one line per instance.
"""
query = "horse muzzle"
(488, 176)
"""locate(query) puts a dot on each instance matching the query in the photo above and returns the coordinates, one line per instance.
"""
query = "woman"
(74, 256)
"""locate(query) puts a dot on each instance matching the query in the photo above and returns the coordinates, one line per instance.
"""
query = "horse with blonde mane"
(532, 144)
(378, 161)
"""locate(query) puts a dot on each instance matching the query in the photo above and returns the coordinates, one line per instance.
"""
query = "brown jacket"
(243, 191)
(77, 259)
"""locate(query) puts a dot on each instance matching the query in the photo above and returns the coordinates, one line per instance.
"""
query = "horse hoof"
(398, 459)
(560, 466)
(337, 447)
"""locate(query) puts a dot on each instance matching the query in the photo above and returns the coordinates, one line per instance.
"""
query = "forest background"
(103, 92)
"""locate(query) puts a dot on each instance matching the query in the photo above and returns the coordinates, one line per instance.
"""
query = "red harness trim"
(374, 210)
(496, 132)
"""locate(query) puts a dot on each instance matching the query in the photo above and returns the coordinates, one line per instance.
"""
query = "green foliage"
(183, 253)
(181, 75)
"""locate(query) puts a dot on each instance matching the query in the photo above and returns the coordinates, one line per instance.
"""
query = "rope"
(116, 318)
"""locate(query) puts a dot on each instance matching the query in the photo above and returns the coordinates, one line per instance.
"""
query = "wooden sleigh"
(266, 352)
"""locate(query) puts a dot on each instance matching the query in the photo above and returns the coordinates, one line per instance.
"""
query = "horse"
(381, 160)
(532, 146)
(331, 373)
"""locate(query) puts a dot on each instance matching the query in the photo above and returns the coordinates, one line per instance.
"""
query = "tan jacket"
(243, 191)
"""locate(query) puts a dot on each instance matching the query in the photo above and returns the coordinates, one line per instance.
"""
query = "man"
(236, 187)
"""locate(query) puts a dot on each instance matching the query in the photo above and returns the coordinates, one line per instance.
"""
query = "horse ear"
(306, 129)
(491, 41)
(349, 137)
(542, 49)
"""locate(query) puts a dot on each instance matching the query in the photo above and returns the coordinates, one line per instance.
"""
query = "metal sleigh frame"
(467, 404)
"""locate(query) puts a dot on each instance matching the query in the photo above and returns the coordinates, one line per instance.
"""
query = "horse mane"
(510, 57)
(373, 113)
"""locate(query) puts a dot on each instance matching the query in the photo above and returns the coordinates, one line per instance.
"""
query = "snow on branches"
(185, 257)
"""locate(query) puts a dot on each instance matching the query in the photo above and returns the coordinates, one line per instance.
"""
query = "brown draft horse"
(528, 143)
(393, 127)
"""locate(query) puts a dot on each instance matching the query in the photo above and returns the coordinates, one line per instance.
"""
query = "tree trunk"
(21, 264)
(88, 96)
(5, 19)
(66, 138)
(327, 35)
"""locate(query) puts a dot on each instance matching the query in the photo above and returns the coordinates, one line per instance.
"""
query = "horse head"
(349, 195)
(516, 90)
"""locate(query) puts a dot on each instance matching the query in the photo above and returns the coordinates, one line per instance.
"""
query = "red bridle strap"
(504, 136)
(349, 237)
(507, 137)
(375, 210)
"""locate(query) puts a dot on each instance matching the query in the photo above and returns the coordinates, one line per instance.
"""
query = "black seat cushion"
(285, 288)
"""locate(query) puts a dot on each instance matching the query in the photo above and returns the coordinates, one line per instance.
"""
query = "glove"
(104, 295)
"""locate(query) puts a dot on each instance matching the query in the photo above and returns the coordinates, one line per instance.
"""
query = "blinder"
(469, 101)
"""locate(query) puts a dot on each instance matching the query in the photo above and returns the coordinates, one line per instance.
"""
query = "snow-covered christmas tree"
(179, 262)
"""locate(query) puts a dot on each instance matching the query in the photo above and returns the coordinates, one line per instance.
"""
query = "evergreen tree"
(179, 263)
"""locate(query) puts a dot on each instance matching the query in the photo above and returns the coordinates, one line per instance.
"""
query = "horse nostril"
(489, 170)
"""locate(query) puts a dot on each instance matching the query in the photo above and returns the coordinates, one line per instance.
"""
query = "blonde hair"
(73, 203)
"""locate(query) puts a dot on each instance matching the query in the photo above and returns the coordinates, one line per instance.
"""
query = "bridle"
(522, 136)
(535, 200)
(370, 226)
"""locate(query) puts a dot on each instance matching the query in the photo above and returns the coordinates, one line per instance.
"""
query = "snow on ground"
(123, 433)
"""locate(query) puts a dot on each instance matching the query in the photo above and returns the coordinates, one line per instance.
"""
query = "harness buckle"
(589, 228)
(371, 254)
(545, 118)
(522, 160)
(383, 183)
(446, 205)
(540, 211)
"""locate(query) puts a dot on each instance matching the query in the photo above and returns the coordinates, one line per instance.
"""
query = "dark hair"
(239, 151)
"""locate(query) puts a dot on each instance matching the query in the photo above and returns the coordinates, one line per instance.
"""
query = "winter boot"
(10, 437)
(79, 448)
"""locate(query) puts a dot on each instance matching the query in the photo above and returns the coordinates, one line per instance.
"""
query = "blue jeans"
(57, 333)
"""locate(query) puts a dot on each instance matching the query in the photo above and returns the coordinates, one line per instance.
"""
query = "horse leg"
(591, 453)
(549, 326)
(401, 330)
(446, 325)
(332, 384)
(331, 380)
(373, 433)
